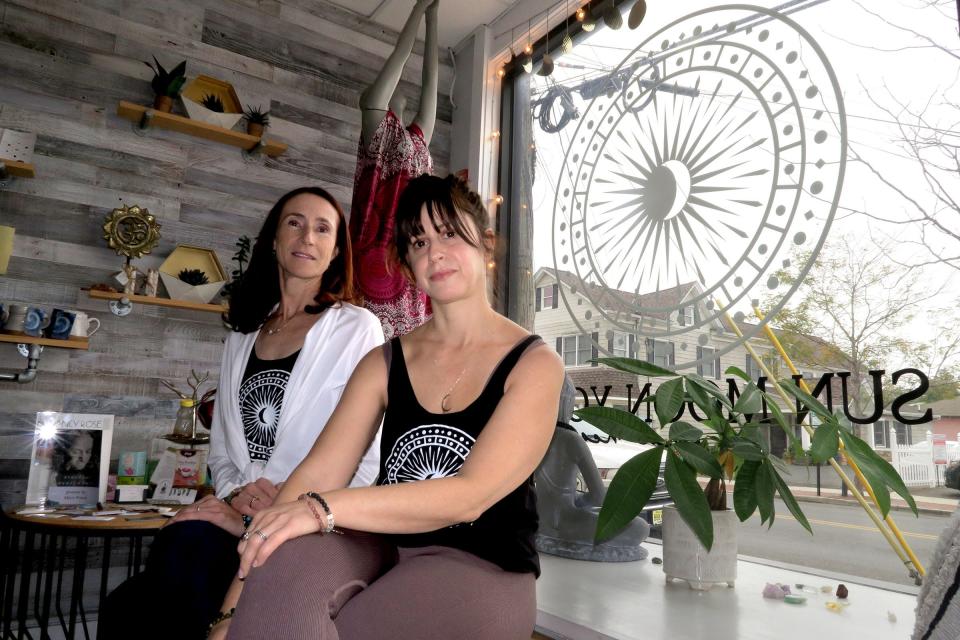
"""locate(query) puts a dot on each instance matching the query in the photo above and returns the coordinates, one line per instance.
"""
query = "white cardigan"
(331, 350)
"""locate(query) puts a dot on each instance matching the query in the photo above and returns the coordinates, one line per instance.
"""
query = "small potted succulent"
(166, 85)
(212, 102)
(726, 443)
(193, 274)
(257, 120)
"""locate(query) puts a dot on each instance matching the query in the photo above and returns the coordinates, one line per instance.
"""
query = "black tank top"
(418, 445)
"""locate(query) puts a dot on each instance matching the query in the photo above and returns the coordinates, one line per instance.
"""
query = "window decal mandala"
(720, 156)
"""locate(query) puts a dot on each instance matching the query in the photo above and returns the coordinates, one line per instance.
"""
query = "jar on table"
(186, 424)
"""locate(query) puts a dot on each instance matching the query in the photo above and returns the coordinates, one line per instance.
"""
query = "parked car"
(610, 454)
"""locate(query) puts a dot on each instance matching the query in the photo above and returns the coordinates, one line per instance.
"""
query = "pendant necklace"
(446, 397)
(276, 330)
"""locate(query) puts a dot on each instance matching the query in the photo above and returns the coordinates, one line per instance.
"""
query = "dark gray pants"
(360, 587)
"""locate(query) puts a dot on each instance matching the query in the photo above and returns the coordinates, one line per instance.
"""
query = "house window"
(772, 362)
(660, 353)
(547, 297)
(584, 349)
(751, 368)
(685, 316)
(618, 345)
(881, 433)
(709, 366)
(577, 350)
(570, 351)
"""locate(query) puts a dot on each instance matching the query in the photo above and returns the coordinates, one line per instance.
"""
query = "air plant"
(212, 102)
(194, 277)
(255, 115)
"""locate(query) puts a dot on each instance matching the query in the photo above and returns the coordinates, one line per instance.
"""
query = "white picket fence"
(915, 463)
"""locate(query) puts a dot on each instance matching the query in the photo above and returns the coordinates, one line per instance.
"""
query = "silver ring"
(254, 499)
(260, 533)
(245, 536)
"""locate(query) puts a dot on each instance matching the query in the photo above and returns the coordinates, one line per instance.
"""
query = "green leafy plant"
(241, 257)
(193, 276)
(212, 102)
(725, 445)
(255, 115)
(167, 84)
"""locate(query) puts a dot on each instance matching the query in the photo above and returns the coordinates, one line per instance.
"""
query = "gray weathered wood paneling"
(64, 65)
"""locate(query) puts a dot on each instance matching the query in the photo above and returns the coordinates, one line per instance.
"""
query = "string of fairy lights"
(586, 15)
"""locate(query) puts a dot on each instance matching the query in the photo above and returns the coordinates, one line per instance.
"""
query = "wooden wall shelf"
(17, 169)
(72, 343)
(160, 302)
(149, 117)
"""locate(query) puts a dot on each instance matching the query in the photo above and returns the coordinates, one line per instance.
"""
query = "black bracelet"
(223, 615)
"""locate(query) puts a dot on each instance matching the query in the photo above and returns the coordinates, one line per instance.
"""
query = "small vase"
(684, 558)
(255, 129)
(163, 103)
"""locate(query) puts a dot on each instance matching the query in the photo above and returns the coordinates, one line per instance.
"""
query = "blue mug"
(61, 324)
(35, 322)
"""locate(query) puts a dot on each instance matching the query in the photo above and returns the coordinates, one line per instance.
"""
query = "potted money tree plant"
(722, 442)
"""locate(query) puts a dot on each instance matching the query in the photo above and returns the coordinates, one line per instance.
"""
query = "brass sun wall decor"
(131, 231)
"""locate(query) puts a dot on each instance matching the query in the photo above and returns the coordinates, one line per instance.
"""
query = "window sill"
(623, 601)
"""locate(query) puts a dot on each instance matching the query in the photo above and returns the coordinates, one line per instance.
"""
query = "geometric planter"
(190, 257)
(194, 92)
(684, 558)
(17, 145)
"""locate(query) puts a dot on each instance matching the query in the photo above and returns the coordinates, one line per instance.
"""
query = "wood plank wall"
(64, 65)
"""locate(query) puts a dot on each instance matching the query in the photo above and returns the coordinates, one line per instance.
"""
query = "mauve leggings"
(360, 587)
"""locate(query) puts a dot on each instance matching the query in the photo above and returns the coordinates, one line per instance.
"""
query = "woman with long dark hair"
(443, 546)
(297, 336)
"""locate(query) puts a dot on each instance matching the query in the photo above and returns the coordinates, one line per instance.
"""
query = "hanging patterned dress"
(384, 167)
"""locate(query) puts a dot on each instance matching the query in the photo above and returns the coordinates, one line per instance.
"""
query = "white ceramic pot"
(684, 558)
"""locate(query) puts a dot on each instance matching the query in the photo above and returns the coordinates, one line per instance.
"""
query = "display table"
(39, 548)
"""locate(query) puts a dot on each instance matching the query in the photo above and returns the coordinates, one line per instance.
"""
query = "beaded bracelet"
(313, 510)
(323, 503)
(223, 615)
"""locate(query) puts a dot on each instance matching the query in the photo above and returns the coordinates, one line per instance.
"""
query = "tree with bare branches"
(928, 135)
(850, 311)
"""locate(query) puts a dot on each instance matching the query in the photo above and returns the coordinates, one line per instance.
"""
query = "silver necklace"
(446, 396)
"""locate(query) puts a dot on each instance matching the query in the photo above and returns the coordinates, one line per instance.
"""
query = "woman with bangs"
(297, 336)
(442, 546)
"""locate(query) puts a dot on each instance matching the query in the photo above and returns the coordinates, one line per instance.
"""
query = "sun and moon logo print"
(429, 451)
(261, 398)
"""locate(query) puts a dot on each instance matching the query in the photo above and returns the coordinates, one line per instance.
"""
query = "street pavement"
(844, 540)
(803, 484)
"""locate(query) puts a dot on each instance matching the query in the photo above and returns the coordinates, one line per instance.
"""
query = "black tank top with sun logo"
(418, 445)
(261, 399)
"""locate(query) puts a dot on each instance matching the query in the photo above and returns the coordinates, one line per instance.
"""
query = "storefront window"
(724, 168)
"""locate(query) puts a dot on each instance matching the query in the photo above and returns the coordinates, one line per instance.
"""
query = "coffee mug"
(82, 325)
(36, 321)
(16, 317)
(61, 322)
